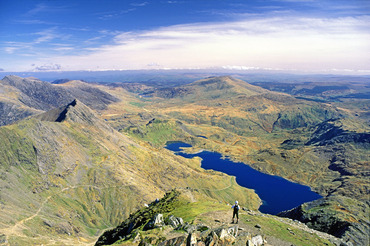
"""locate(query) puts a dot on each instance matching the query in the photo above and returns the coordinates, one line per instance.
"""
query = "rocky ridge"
(28, 96)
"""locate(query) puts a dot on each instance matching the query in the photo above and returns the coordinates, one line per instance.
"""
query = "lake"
(277, 194)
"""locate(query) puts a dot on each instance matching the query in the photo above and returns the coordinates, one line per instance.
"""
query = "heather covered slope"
(67, 180)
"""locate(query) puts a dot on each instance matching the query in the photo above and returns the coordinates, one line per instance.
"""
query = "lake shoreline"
(277, 194)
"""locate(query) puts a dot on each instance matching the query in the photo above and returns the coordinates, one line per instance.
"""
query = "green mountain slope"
(66, 175)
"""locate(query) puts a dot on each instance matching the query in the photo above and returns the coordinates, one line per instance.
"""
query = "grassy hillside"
(67, 181)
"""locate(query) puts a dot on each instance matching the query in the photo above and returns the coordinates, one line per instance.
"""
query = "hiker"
(236, 208)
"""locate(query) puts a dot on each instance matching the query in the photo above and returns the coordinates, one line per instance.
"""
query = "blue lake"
(277, 194)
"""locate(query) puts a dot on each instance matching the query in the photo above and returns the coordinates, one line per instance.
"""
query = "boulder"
(257, 240)
(212, 239)
(225, 238)
(155, 222)
(233, 230)
(242, 238)
(189, 228)
(192, 239)
(173, 221)
(177, 241)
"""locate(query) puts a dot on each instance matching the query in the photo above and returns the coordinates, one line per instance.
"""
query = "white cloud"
(47, 67)
(47, 35)
(287, 43)
(141, 4)
(10, 50)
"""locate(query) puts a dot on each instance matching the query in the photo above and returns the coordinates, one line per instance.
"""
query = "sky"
(298, 36)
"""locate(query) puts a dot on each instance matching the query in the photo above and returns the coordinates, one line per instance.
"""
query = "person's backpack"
(236, 208)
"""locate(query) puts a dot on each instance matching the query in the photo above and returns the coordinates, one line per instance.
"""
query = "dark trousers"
(236, 213)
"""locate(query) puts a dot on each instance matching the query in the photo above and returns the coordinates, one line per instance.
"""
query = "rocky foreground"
(155, 224)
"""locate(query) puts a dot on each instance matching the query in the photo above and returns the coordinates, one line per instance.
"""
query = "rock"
(155, 222)
(290, 230)
(64, 228)
(249, 243)
(192, 239)
(189, 228)
(233, 230)
(212, 239)
(200, 243)
(346, 244)
(257, 240)
(201, 227)
(242, 239)
(137, 238)
(3, 239)
(143, 243)
(222, 233)
(258, 226)
(177, 241)
(48, 223)
(224, 237)
(173, 221)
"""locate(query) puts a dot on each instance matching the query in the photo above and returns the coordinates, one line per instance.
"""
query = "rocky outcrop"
(145, 227)
(217, 236)
(331, 215)
(172, 92)
(328, 133)
(139, 220)
(74, 111)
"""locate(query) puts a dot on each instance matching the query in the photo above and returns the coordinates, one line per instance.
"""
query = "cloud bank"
(308, 44)
(279, 42)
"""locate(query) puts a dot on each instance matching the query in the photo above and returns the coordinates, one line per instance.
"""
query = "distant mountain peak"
(63, 114)
(75, 111)
(211, 88)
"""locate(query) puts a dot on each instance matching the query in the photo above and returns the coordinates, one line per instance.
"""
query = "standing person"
(236, 208)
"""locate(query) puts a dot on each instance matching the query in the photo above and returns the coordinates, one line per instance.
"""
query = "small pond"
(277, 194)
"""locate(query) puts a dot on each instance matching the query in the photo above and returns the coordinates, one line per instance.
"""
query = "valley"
(78, 158)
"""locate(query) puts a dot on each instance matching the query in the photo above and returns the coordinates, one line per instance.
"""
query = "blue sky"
(279, 35)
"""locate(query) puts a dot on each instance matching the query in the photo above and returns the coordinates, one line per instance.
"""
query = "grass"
(158, 132)
(189, 211)
(138, 104)
(277, 229)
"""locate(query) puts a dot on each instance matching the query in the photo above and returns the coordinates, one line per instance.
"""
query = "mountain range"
(78, 158)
